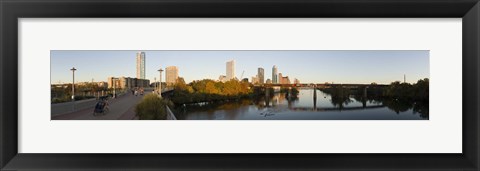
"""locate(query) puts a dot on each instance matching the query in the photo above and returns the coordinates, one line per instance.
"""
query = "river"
(304, 107)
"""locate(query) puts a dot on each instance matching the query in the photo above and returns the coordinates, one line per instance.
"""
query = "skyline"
(352, 66)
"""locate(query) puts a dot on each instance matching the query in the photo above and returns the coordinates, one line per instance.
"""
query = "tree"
(180, 84)
(421, 90)
(152, 107)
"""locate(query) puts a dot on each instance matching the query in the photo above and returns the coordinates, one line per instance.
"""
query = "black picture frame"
(11, 10)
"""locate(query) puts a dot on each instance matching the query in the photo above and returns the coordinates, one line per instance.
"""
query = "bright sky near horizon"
(319, 66)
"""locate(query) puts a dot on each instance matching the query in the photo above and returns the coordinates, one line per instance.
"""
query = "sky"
(340, 66)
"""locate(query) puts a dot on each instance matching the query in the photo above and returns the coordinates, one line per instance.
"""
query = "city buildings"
(285, 80)
(274, 75)
(230, 70)
(255, 80)
(269, 81)
(101, 84)
(140, 65)
(127, 82)
(171, 74)
(222, 78)
(296, 81)
(282, 79)
(279, 78)
(261, 75)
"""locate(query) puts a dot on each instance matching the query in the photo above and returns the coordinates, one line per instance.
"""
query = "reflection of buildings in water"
(281, 98)
(267, 102)
(290, 103)
(275, 100)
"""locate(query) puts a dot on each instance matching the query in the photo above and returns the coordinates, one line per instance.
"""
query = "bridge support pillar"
(315, 98)
(289, 93)
(364, 101)
(365, 92)
(267, 97)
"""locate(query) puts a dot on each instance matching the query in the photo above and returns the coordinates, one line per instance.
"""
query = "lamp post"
(114, 87)
(73, 83)
(73, 87)
(160, 83)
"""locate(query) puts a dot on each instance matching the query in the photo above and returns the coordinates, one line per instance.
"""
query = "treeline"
(398, 91)
(397, 96)
(63, 93)
(209, 90)
(405, 91)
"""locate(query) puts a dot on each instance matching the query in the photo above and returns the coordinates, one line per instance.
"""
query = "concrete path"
(67, 107)
(120, 108)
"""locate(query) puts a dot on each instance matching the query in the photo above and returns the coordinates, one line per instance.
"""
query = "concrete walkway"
(120, 108)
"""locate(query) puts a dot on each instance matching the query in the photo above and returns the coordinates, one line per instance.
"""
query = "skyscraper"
(171, 74)
(261, 75)
(141, 65)
(274, 75)
(280, 78)
(230, 70)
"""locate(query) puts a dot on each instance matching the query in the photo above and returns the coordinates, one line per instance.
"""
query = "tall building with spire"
(230, 70)
(141, 65)
(274, 75)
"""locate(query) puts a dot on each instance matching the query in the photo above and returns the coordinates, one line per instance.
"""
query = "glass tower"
(141, 65)
(261, 75)
(274, 75)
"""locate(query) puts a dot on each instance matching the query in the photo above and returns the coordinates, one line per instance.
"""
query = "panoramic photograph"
(239, 84)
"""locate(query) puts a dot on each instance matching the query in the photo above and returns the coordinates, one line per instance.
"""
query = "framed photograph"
(264, 85)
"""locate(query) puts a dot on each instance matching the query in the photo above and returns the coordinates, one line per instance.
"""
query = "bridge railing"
(170, 115)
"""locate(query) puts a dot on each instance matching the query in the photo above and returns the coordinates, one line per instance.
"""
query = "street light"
(160, 83)
(114, 87)
(73, 83)
(73, 87)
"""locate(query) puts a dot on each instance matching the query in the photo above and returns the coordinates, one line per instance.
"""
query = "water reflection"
(309, 104)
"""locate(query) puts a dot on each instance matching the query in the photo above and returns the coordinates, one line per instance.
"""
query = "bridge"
(322, 85)
(121, 108)
(358, 87)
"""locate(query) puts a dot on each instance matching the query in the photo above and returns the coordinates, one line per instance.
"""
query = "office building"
(254, 80)
(279, 78)
(171, 74)
(296, 81)
(230, 70)
(127, 82)
(140, 65)
(222, 78)
(285, 80)
(274, 75)
(261, 75)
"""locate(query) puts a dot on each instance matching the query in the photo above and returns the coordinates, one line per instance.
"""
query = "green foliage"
(63, 93)
(67, 98)
(292, 91)
(209, 90)
(399, 97)
(340, 96)
(421, 90)
(152, 107)
(409, 92)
